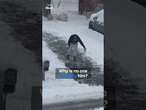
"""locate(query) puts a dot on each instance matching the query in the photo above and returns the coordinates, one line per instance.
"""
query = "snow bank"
(65, 6)
(52, 57)
(99, 108)
(69, 90)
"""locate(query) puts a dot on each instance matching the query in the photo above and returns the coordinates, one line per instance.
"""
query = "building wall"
(15, 51)
(125, 35)
(32, 5)
(88, 5)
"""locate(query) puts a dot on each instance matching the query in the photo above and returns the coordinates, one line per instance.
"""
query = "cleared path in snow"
(59, 47)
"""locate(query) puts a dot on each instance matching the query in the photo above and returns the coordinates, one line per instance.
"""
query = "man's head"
(74, 37)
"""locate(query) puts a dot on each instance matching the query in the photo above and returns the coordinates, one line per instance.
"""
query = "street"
(80, 105)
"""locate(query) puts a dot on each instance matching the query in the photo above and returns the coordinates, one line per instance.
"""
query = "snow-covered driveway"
(78, 24)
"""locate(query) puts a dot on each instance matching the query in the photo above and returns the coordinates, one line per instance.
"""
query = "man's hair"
(74, 35)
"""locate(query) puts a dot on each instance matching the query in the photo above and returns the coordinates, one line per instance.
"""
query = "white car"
(96, 21)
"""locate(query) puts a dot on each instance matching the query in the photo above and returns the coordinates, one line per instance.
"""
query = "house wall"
(88, 5)
(32, 5)
(15, 51)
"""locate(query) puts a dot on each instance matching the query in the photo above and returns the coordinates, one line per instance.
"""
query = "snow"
(66, 90)
(65, 6)
(56, 90)
(78, 24)
(49, 55)
(99, 108)
(99, 15)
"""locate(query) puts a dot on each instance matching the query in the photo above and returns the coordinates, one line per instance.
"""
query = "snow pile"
(56, 90)
(64, 6)
(62, 17)
(99, 15)
(99, 108)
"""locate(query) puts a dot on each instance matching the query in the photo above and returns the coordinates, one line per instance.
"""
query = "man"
(73, 47)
